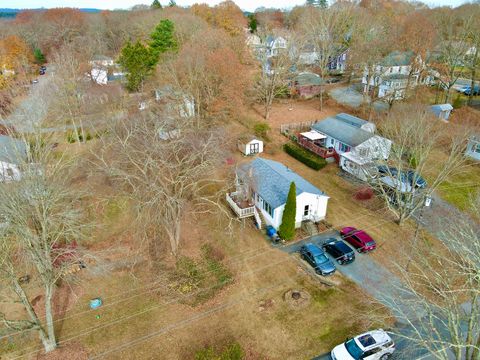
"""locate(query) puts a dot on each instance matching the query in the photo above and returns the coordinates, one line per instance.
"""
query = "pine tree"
(172, 3)
(138, 61)
(39, 57)
(156, 5)
(287, 228)
(163, 39)
(252, 23)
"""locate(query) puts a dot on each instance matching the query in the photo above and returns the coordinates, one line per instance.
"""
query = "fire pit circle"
(297, 298)
(296, 295)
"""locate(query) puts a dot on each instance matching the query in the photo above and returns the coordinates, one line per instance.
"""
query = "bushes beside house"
(311, 160)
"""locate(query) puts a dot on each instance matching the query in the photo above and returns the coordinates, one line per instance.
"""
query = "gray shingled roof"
(272, 181)
(345, 128)
(12, 151)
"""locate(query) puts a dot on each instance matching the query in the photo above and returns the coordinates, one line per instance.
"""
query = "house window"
(332, 142)
(476, 148)
(268, 208)
(306, 210)
(342, 147)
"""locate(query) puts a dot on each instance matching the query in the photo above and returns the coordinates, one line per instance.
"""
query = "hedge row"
(310, 159)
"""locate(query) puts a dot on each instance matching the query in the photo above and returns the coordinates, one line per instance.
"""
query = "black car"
(340, 251)
(42, 72)
(43, 68)
(317, 258)
(406, 176)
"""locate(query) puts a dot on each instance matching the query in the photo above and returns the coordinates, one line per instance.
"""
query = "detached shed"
(442, 111)
(307, 84)
(250, 145)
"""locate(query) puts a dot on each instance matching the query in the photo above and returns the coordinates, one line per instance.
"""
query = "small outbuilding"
(250, 145)
(442, 111)
(307, 84)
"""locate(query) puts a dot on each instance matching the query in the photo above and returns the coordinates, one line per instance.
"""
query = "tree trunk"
(48, 341)
(49, 315)
(321, 97)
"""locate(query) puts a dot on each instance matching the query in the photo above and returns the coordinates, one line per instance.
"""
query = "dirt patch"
(297, 298)
(71, 351)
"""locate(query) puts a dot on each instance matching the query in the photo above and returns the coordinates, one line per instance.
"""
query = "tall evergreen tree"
(156, 5)
(138, 61)
(163, 39)
(39, 57)
(172, 3)
(287, 228)
(252, 23)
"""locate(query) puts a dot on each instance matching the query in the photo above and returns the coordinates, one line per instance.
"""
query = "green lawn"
(461, 188)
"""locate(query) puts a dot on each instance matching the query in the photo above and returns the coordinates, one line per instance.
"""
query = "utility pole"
(426, 203)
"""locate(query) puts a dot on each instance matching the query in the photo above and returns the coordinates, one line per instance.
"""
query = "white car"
(372, 345)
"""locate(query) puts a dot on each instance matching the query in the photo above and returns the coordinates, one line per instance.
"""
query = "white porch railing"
(241, 212)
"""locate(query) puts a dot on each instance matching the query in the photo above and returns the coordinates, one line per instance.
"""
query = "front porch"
(315, 142)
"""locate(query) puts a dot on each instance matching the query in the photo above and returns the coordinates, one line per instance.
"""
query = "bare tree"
(276, 71)
(167, 165)
(418, 139)
(451, 51)
(439, 305)
(328, 31)
(41, 221)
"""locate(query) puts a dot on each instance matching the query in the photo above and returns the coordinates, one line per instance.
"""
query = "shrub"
(232, 352)
(287, 228)
(458, 102)
(365, 193)
(310, 159)
(261, 129)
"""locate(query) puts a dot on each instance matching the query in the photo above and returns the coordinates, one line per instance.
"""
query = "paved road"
(350, 96)
(381, 284)
(34, 108)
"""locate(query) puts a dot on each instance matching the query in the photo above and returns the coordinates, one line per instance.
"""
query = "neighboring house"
(308, 55)
(338, 63)
(473, 147)
(101, 60)
(252, 40)
(391, 76)
(99, 75)
(442, 111)
(250, 145)
(262, 188)
(176, 102)
(274, 45)
(307, 84)
(99, 68)
(13, 154)
(348, 139)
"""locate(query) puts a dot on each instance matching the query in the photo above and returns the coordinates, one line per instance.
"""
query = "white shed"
(442, 111)
(250, 145)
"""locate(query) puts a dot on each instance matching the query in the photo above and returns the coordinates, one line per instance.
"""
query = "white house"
(442, 111)
(391, 75)
(263, 186)
(349, 139)
(250, 145)
(473, 147)
(100, 66)
(12, 157)
(274, 45)
(99, 75)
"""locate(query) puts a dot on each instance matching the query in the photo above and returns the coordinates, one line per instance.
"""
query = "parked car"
(372, 345)
(359, 239)
(41, 72)
(43, 67)
(35, 81)
(406, 176)
(312, 254)
(467, 90)
(340, 251)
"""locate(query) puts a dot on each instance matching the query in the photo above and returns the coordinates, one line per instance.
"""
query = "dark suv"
(317, 258)
(340, 251)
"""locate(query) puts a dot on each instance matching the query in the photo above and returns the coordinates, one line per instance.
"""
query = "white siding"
(246, 148)
(317, 209)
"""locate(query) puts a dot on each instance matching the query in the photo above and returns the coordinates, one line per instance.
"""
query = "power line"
(265, 248)
(152, 308)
